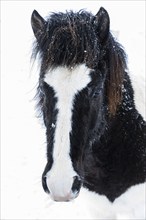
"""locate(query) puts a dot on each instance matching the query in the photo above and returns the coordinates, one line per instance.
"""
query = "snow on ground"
(23, 138)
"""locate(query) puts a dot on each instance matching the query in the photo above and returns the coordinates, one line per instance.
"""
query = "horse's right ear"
(102, 21)
(38, 24)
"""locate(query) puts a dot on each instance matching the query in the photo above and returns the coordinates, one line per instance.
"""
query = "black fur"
(108, 138)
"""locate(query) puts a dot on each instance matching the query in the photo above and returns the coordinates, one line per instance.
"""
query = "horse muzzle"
(63, 190)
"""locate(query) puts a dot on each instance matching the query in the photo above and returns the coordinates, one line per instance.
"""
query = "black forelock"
(69, 39)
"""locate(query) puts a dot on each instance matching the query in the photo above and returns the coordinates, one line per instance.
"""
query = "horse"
(96, 138)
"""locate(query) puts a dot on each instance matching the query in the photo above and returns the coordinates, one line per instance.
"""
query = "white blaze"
(66, 84)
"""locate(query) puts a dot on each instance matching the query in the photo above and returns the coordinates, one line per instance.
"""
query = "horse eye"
(96, 93)
(41, 91)
(43, 88)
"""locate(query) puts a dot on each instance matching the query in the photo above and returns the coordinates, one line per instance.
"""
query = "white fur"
(66, 84)
(131, 204)
(90, 205)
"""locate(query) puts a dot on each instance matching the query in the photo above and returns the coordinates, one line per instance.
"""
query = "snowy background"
(23, 137)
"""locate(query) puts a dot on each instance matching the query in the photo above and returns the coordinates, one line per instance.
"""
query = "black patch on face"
(87, 119)
(49, 112)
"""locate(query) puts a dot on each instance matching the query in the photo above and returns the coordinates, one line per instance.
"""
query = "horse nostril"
(44, 184)
(76, 185)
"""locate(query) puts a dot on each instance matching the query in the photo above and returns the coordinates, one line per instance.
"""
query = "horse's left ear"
(38, 24)
(102, 21)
